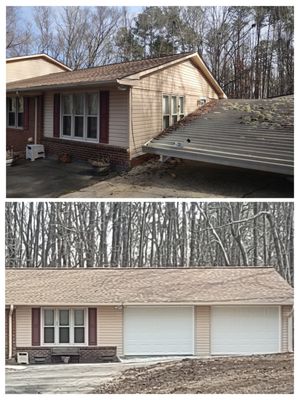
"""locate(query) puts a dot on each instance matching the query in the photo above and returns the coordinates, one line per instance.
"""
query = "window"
(80, 116)
(173, 109)
(166, 112)
(15, 111)
(64, 326)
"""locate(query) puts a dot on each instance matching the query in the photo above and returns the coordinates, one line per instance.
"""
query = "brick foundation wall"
(6, 333)
(95, 354)
(118, 156)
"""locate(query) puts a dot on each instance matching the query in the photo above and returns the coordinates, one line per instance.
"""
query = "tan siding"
(202, 330)
(182, 79)
(48, 115)
(285, 311)
(110, 327)
(18, 70)
(118, 118)
(23, 326)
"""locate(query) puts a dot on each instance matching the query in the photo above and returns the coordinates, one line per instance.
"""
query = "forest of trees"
(138, 235)
(250, 50)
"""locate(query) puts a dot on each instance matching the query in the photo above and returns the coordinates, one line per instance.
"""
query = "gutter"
(60, 86)
(10, 332)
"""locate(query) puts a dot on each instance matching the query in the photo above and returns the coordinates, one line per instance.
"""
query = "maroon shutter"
(36, 326)
(26, 113)
(104, 117)
(92, 326)
(56, 115)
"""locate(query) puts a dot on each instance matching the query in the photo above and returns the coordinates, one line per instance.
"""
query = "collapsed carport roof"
(250, 134)
(142, 286)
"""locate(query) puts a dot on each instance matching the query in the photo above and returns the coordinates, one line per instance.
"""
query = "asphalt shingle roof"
(105, 73)
(146, 286)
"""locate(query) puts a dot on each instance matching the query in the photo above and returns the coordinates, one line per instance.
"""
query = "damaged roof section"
(251, 134)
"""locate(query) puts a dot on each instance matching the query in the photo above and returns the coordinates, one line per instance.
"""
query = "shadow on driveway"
(48, 178)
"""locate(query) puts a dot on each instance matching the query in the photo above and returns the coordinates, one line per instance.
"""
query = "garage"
(158, 330)
(245, 329)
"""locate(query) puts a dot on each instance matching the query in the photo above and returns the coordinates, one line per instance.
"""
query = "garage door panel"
(245, 330)
(158, 330)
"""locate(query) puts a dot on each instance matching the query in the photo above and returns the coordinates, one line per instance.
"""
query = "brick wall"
(17, 139)
(86, 354)
(6, 333)
(84, 151)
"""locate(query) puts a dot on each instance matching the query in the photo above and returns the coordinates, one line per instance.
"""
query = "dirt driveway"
(188, 179)
(252, 374)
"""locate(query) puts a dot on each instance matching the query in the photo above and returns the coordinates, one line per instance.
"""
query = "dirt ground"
(243, 375)
(178, 178)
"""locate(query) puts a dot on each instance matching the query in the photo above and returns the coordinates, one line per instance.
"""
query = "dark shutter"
(104, 117)
(56, 115)
(92, 326)
(26, 113)
(36, 326)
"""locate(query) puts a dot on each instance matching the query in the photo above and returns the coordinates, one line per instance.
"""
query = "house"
(21, 118)
(109, 111)
(140, 311)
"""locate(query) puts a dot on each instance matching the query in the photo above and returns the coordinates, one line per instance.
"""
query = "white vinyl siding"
(286, 329)
(110, 327)
(119, 118)
(245, 329)
(158, 330)
(23, 69)
(183, 79)
(202, 330)
(23, 326)
(48, 114)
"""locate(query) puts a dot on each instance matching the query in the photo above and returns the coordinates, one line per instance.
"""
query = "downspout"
(35, 118)
(10, 332)
(290, 330)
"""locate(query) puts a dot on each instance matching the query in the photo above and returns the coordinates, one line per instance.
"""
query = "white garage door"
(245, 330)
(158, 330)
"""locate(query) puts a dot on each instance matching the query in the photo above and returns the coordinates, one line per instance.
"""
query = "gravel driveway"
(70, 378)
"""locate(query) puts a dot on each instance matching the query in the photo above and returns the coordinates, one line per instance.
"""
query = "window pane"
(48, 317)
(48, 335)
(174, 119)
(67, 126)
(63, 317)
(181, 105)
(78, 104)
(92, 128)
(78, 335)
(11, 104)
(20, 104)
(64, 336)
(92, 104)
(166, 122)
(174, 105)
(67, 104)
(166, 105)
(78, 127)
(11, 119)
(79, 317)
(20, 119)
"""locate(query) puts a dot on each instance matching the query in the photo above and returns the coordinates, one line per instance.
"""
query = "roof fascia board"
(125, 304)
(149, 71)
(61, 86)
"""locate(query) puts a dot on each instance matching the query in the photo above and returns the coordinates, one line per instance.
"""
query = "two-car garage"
(166, 330)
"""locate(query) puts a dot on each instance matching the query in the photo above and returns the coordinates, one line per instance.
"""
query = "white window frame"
(85, 118)
(171, 115)
(71, 327)
(15, 126)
